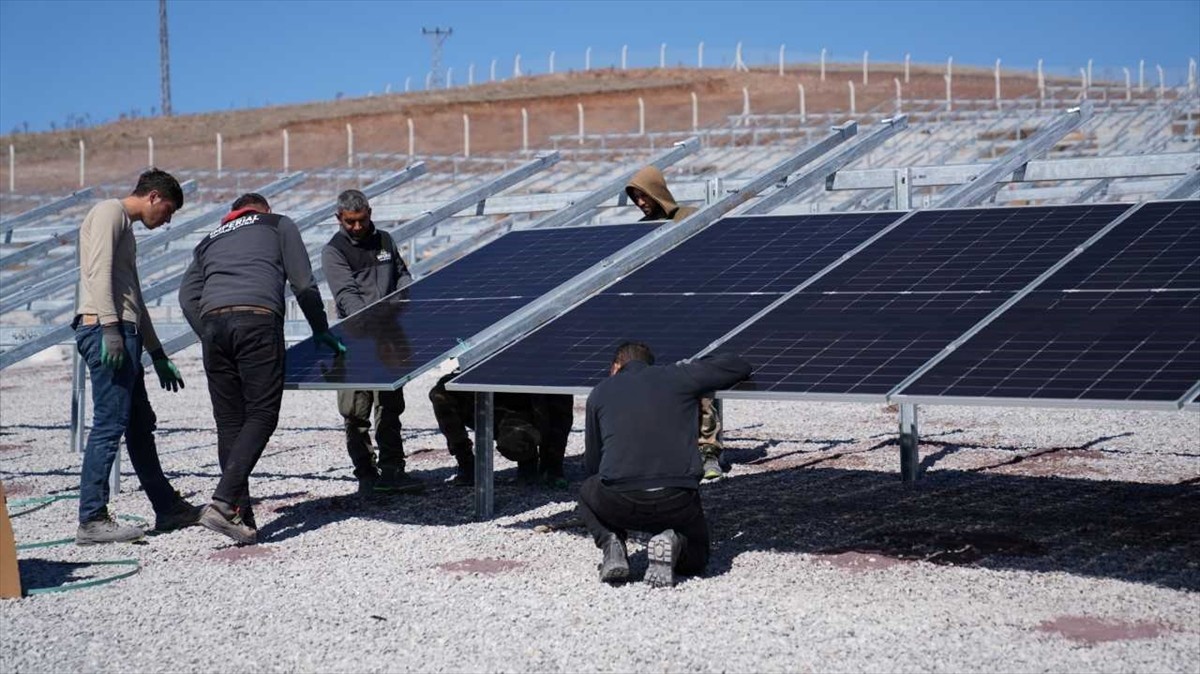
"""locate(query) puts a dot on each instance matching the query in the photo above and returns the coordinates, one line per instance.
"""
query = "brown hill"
(49, 162)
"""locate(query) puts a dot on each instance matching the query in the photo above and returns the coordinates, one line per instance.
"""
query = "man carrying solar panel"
(232, 296)
(648, 191)
(640, 455)
(362, 265)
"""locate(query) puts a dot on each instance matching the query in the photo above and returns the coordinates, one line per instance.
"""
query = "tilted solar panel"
(1119, 323)
(680, 302)
(864, 327)
(391, 339)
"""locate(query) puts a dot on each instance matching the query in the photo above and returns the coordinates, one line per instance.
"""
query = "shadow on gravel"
(441, 504)
(1135, 532)
(1144, 533)
(44, 573)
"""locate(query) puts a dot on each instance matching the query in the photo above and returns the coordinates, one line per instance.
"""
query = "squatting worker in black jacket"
(232, 295)
(643, 465)
(362, 265)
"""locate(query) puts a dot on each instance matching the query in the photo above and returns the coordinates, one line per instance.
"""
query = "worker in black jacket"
(363, 265)
(643, 465)
(232, 296)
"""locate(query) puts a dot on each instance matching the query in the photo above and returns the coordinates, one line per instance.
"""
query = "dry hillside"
(49, 162)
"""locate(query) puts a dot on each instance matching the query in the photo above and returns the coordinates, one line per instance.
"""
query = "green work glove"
(112, 347)
(327, 338)
(168, 375)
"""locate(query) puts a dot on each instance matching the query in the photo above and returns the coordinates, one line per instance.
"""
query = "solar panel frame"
(898, 217)
(886, 397)
(1048, 285)
(444, 304)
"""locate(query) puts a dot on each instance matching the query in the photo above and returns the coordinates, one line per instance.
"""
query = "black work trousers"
(606, 511)
(244, 361)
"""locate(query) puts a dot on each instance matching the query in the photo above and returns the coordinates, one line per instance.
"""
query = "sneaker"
(107, 530)
(663, 551)
(227, 520)
(396, 481)
(712, 468)
(180, 515)
(615, 566)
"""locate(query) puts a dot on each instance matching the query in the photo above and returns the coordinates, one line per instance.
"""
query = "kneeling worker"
(642, 460)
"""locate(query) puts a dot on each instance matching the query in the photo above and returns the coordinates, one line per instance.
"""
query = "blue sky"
(62, 59)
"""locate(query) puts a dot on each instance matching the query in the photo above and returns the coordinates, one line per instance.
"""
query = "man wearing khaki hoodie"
(648, 190)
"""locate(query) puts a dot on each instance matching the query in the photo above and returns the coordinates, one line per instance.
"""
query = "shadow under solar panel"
(1119, 325)
(391, 340)
(871, 322)
(680, 302)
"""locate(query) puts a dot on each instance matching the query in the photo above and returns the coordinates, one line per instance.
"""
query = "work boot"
(394, 480)
(464, 473)
(712, 468)
(181, 514)
(527, 473)
(105, 529)
(663, 551)
(227, 520)
(553, 475)
(614, 568)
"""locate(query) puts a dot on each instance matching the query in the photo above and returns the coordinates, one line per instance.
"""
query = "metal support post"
(286, 151)
(910, 459)
(986, 183)
(114, 475)
(485, 487)
(82, 162)
(714, 192)
(79, 379)
(903, 189)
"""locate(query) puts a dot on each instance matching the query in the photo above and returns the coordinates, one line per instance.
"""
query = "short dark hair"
(352, 201)
(250, 199)
(154, 180)
(632, 351)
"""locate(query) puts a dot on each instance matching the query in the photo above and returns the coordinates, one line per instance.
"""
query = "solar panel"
(680, 302)
(388, 341)
(864, 327)
(1119, 323)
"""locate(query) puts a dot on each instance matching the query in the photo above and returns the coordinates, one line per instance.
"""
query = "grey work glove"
(112, 347)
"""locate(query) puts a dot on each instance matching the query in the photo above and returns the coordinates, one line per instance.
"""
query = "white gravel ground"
(1038, 540)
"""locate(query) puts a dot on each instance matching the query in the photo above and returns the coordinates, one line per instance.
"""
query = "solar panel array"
(391, 339)
(877, 318)
(1120, 322)
(681, 301)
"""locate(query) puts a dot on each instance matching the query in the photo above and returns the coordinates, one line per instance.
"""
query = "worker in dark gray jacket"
(643, 465)
(232, 295)
(362, 265)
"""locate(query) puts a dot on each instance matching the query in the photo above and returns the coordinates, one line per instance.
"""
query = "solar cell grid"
(683, 300)
(874, 320)
(1119, 323)
(391, 339)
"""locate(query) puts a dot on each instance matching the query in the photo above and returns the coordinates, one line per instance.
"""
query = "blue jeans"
(120, 407)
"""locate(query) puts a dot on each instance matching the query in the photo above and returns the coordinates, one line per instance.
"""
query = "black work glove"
(112, 347)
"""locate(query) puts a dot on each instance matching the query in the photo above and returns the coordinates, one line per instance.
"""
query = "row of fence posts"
(1085, 86)
(739, 64)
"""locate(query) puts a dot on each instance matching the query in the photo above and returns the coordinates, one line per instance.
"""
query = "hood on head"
(651, 181)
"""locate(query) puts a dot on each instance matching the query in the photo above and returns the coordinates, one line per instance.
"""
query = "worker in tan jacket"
(648, 190)
(111, 329)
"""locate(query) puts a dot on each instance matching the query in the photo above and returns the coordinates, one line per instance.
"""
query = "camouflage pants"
(517, 435)
(356, 408)
(710, 429)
